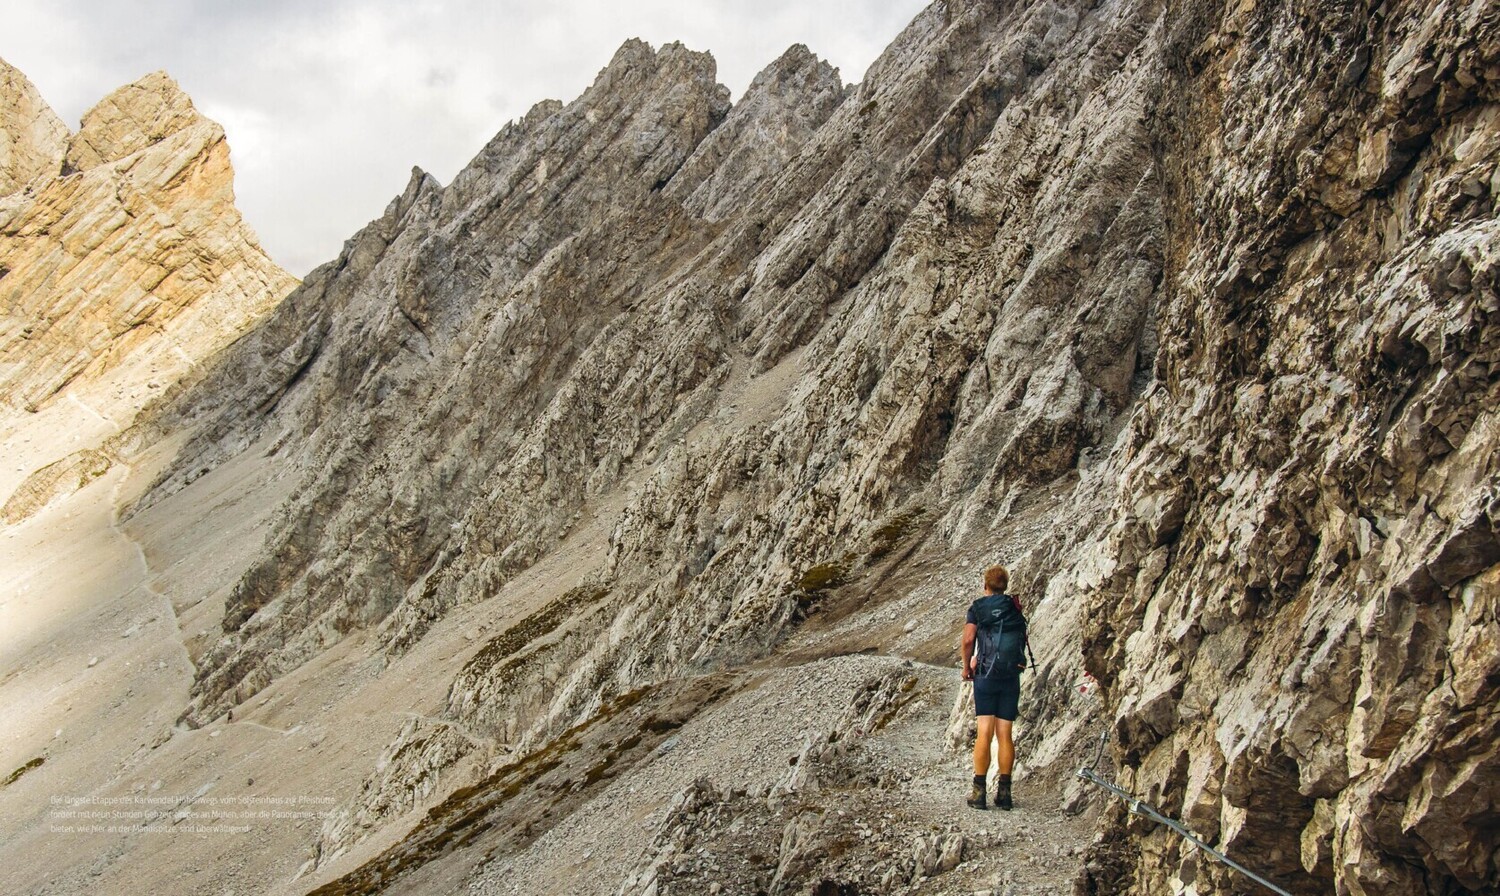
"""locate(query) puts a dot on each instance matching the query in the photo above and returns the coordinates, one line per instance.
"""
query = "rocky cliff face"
(32, 138)
(1296, 599)
(123, 261)
(1186, 313)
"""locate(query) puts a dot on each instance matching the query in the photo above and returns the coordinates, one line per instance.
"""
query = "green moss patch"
(824, 576)
(15, 775)
(538, 625)
(893, 532)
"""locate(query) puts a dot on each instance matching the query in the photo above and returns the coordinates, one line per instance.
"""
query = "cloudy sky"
(329, 103)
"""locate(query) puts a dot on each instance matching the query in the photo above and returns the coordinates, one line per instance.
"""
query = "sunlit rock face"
(1186, 312)
(32, 137)
(123, 261)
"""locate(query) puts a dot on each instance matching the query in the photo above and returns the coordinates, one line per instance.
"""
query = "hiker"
(993, 644)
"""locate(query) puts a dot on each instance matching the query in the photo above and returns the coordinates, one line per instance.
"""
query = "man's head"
(995, 579)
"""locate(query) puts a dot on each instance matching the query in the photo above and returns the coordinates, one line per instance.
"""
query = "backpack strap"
(989, 640)
(1025, 631)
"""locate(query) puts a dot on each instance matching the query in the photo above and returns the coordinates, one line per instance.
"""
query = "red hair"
(995, 579)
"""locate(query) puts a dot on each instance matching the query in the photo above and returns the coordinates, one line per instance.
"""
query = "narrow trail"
(478, 741)
(123, 476)
(284, 732)
(1029, 850)
(838, 775)
(90, 409)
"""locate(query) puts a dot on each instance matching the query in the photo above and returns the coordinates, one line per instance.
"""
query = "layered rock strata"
(1296, 598)
(32, 138)
(123, 261)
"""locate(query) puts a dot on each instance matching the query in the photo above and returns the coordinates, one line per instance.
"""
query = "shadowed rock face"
(1189, 312)
(123, 260)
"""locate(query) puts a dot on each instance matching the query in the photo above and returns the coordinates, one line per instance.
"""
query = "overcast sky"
(328, 105)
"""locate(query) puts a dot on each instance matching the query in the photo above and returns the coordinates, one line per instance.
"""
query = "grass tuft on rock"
(894, 531)
(28, 766)
(824, 576)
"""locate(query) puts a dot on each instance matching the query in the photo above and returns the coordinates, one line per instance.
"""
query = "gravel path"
(868, 799)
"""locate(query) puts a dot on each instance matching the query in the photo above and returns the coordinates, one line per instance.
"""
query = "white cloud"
(329, 104)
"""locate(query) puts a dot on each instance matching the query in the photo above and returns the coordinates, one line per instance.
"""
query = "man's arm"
(967, 649)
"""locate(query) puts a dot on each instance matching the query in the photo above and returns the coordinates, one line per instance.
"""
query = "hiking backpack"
(1001, 636)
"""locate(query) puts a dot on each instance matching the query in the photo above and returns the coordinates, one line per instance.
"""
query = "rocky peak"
(641, 118)
(32, 137)
(120, 269)
(674, 61)
(784, 104)
(674, 73)
(798, 65)
(131, 119)
(672, 95)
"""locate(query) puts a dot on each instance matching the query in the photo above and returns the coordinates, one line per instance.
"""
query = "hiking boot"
(976, 797)
(1002, 795)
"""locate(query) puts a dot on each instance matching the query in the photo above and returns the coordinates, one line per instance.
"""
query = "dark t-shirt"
(993, 609)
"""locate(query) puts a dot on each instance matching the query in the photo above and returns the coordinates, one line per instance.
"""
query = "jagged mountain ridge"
(1043, 252)
(694, 347)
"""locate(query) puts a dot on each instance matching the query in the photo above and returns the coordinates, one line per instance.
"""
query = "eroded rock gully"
(1187, 310)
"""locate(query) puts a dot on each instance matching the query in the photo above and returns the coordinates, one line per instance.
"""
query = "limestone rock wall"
(123, 261)
(1186, 309)
(32, 137)
(1294, 601)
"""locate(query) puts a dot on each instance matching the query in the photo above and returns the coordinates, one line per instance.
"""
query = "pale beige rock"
(135, 117)
(123, 273)
(32, 137)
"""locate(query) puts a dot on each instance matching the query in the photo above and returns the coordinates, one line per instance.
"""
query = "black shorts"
(998, 695)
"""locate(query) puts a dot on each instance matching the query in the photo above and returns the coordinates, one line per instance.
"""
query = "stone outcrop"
(32, 137)
(1186, 311)
(123, 261)
(407, 773)
(1296, 597)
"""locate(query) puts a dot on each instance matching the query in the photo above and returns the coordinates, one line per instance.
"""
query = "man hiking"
(994, 647)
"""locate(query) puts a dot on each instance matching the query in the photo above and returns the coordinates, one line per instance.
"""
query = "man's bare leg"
(986, 725)
(1006, 757)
